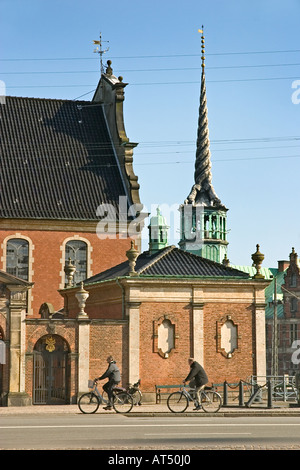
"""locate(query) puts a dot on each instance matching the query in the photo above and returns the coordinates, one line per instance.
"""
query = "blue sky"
(252, 64)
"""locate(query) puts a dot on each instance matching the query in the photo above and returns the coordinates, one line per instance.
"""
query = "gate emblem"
(50, 342)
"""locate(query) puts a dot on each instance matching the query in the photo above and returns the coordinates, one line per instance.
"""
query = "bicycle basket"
(91, 384)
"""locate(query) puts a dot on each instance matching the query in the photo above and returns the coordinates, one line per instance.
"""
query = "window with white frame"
(17, 258)
(76, 250)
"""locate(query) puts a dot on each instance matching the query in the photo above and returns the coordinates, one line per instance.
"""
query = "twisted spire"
(202, 191)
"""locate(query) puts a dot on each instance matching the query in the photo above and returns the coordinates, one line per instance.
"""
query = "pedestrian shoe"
(198, 407)
(107, 408)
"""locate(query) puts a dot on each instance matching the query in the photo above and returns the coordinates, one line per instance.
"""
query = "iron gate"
(51, 371)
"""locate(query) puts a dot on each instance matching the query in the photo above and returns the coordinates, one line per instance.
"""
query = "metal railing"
(262, 390)
(284, 387)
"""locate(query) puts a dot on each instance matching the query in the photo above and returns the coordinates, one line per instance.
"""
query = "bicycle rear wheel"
(177, 402)
(211, 401)
(122, 402)
(88, 403)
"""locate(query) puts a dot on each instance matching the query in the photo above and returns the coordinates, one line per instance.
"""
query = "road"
(78, 432)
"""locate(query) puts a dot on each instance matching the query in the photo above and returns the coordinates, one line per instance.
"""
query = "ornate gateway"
(51, 371)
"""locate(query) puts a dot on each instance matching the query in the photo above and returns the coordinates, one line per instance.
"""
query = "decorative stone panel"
(164, 336)
(227, 337)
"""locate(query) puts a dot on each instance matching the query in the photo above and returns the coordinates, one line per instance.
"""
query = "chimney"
(283, 265)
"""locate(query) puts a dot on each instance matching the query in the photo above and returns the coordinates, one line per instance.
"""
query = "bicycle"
(136, 393)
(210, 400)
(89, 402)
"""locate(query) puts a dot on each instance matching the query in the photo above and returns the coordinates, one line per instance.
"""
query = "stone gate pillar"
(17, 311)
(133, 312)
(198, 334)
(83, 354)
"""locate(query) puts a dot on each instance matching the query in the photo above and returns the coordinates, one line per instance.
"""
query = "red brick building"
(283, 356)
(66, 172)
(63, 163)
(68, 192)
(167, 306)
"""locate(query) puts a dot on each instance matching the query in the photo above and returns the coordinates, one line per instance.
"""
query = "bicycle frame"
(193, 390)
(93, 387)
(187, 394)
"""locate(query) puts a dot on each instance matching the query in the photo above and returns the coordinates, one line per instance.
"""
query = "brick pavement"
(150, 409)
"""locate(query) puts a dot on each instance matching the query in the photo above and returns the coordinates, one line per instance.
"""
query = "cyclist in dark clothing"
(114, 377)
(198, 378)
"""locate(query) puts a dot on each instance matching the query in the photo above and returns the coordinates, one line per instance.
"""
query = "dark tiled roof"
(56, 160)
(7, 278)
(170, 261)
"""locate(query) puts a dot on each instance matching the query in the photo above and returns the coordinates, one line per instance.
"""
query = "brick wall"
(109, 338)
(155, 369)
(107, 304)
(47, 255)
(240, 366)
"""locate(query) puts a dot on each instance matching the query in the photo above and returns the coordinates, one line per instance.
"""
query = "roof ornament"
(132, 255)
(226, 261)
(70, 271)
(109, 70)
(202, 192)
(293, 256)
(258, 258)
(100, 51)
(82, 296)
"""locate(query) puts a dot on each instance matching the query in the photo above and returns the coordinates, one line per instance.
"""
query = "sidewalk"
(151, 409)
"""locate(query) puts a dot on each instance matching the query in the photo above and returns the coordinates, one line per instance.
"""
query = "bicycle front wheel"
(177, 402)
(88, 403)
(122, 402)
(211, 401)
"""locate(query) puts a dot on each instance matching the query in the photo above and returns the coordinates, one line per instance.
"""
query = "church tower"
(158, 232)
(203, 216)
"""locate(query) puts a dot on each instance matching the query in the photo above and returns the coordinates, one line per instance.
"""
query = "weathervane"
(100, 51)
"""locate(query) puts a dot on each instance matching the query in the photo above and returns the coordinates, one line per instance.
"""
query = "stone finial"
(82, 296)
(293, 256)
(258, 258)
(109, 70)
(132, 255)
(70, 271)
(225, 261)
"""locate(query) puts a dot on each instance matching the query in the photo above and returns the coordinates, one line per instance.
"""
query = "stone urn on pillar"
(82, 296)
(70, 271)
(258, 258)
(132, 255)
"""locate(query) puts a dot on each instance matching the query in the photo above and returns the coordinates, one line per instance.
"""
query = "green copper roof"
(158, 219)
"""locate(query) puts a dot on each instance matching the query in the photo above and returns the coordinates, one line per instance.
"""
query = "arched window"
(77, 251)
(17, 258)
